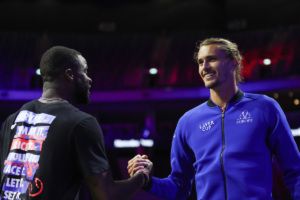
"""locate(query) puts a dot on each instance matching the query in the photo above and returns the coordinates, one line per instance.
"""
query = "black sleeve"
(89, 147)
(1, 149)
(6, 137)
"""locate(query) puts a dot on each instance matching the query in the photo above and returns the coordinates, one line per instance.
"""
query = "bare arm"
(104, 187)
(92, 160)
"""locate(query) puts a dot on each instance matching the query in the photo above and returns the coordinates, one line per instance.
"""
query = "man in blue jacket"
(226, 144)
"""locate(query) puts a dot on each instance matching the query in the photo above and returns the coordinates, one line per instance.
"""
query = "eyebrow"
(207, 57)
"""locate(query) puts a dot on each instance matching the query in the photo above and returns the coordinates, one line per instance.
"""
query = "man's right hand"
(140, 164)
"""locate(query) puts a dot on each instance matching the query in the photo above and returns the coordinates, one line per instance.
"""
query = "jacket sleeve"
(285, 149)
(179, 183)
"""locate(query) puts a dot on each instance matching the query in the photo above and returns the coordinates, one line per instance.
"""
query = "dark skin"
(65, 86)
(62, 87)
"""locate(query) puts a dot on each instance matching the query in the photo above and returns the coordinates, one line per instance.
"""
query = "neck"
(221, 96)
(53, 93)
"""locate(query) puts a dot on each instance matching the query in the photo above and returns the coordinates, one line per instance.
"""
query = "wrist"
(145, 179)
(147, 182)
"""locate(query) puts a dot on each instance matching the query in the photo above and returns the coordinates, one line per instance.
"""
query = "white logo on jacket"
(206, 126)
(245, 117)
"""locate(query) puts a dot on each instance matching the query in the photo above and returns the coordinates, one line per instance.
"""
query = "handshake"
(140, 164)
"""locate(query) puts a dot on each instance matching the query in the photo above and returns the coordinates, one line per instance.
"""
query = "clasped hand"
(140, 164)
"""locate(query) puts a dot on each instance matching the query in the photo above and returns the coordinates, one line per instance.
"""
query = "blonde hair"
(231, 50)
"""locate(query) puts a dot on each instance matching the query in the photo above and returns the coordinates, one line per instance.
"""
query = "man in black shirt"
(49, 148)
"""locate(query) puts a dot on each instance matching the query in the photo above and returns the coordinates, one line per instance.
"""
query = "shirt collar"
(235, 98)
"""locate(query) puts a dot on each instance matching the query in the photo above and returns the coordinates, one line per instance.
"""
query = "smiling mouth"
(208, 75)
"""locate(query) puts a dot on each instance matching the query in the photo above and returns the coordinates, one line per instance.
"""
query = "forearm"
(103, 187)
(288, 157)
(292, 181)
(124, 189)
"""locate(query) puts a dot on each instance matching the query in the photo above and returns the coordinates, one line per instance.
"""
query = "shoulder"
(254, 96)
(13, 116)
(80, 119)
(194, 112)
(9, 120)
(83, 115)
(64, 112)
(70, 112)
(88, 130)
(261, 98)
(266, 104)
(29, 104)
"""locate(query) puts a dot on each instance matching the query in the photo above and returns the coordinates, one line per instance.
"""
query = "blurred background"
(140, 57)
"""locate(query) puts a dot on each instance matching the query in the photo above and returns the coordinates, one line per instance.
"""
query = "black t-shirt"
(46, 150)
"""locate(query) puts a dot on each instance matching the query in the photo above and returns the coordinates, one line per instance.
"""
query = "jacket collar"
(235, 98)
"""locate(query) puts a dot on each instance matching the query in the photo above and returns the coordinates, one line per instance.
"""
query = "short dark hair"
(55, 60)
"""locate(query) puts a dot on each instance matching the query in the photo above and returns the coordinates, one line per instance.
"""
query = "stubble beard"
(83, 97)
(82, 94)
(211, 84)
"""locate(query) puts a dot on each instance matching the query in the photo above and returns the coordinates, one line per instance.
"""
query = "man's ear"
(69, 74)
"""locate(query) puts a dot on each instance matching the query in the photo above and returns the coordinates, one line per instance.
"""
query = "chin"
(211, 85)
(82, 99)
(85, 101)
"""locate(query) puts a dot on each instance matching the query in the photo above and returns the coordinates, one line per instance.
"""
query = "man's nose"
(205, 64)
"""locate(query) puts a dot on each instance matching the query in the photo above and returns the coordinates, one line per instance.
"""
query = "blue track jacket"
(229, 154)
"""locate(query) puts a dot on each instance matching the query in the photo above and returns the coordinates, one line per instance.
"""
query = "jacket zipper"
(222, 154)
